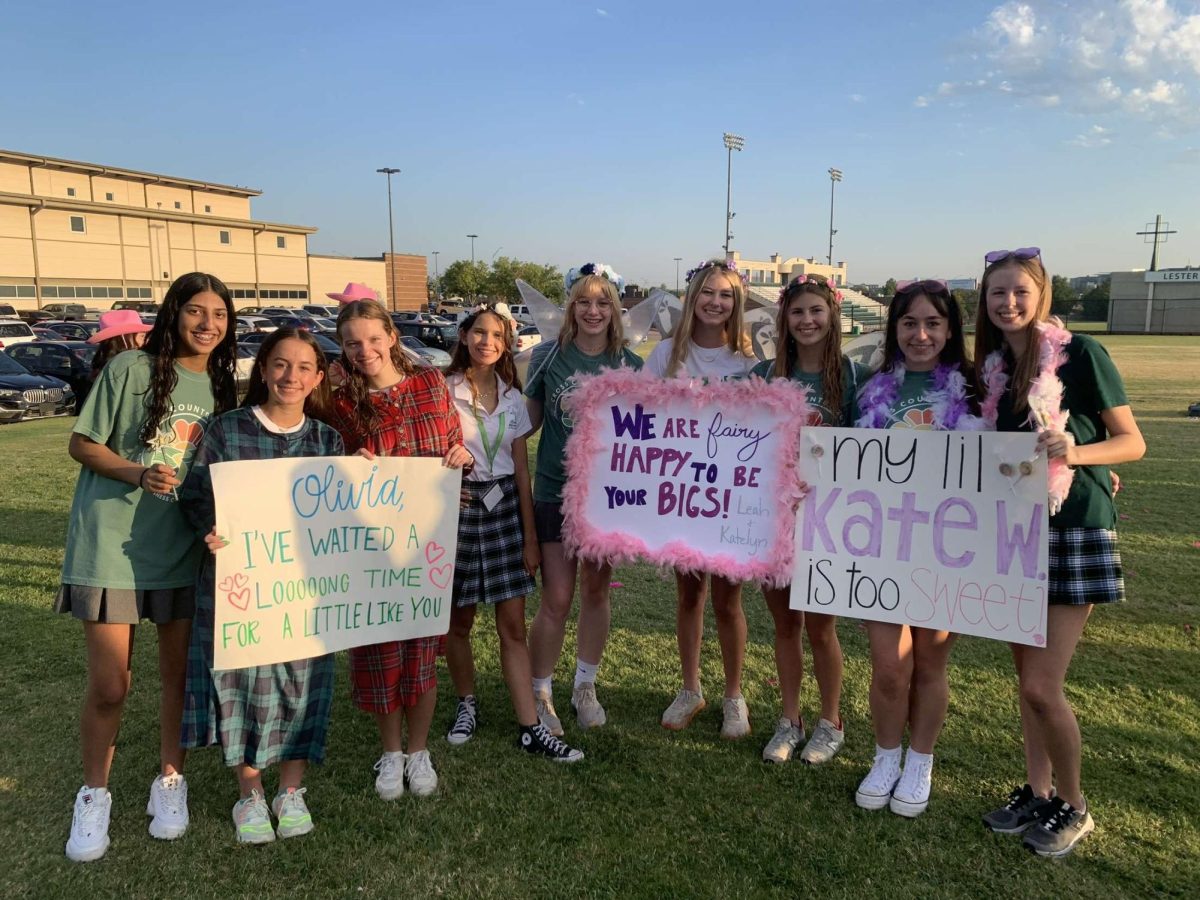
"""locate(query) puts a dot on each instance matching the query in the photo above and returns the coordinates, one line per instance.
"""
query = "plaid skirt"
(490, 565)
(385, 677)
(1085, 567)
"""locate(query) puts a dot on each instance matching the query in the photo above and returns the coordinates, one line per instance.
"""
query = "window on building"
(108, 196)
(116, 292)
(207, 208)
(224, 237)
(303, 295)
(78, 225)
(50, 291)
(70, 192)
(8, 290)
(178, 205)
(66, 293)
(83, 292)
(281, 242)
(25, 290)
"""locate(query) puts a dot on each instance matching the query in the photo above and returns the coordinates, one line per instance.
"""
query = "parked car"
(527, 337)
(246, 324)
(8, 311)
(406, 315)
(521, 313)
(326, 310)
(141, 306)
(325, 325)
(72, 331)
(66, 310)
(293, 320)
(34, 316)
(432, 356)
(327, 344)
(69, 361)
(24, 395)
(14, 331)
(244, 365)
(429, 333)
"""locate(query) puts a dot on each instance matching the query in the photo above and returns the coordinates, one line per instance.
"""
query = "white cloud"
(1096, 136)
(603, 13)
(921, 102)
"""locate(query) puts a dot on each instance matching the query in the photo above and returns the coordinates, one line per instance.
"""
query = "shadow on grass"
(32, 527)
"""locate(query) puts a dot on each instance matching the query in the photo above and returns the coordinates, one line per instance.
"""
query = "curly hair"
(318, 404)
(831, 354)
(355, 388)
(162, 346)
(506, 368)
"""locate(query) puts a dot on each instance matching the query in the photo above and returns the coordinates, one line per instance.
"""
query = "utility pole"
(1161, 229)
(391, 237)
(835, 175)
(678, 259)
(472, 237)
(732, 142)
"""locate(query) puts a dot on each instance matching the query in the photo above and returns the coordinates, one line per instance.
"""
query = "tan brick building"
(97, 234)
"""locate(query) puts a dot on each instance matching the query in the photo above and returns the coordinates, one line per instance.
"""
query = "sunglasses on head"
(922, 286)
(1021, 253)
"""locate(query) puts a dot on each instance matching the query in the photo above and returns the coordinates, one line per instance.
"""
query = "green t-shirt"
(552, 373)
(119, 536)
(912, 408)
(853, 377)
(1091, 384)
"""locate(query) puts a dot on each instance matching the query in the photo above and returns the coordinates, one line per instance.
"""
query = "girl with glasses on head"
(809, 334)
(927, 383)
(1037, 376)
(710, 344)
(591, 340)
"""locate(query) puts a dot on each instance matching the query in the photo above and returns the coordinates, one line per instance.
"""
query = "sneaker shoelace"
(387, 766)
(782, 732)
(293, 803)
(421, 766)
(1057, 818)
(171, 794)
(254, 805)
(464, 722)
(824, 737)
(1018, 800)
(549, 741)
(91, 814)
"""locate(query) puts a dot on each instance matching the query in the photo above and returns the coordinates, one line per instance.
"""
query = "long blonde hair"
(989, 338)
(831, 354)
(570, 329)
(736, 338)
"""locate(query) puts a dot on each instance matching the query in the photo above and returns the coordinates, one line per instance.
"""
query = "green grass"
(648, 812)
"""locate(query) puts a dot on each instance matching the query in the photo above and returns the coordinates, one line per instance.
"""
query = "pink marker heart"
(441, 575)
(232, 582)
(433, 552)
(243, 595)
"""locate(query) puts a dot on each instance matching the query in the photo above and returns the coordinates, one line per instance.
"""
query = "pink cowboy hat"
(116, 322)
(354, 291)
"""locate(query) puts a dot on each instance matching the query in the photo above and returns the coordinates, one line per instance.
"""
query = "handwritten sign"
(331, 552)
(700, 477)
(945, 530)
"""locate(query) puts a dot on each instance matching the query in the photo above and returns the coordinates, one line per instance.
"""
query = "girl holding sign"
(390, 407)
(497, 541)
(1037, 376)
(130, 554)
(809, 327)
(711, 344)
(591, 340)
(925, 383)
(261, 715)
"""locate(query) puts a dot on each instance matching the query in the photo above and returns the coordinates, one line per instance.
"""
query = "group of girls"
(157, 420)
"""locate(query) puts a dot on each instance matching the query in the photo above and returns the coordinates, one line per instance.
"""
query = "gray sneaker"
(1061, 828)
(736, 721)
(588, 710)
(1021, 811)
(783, 743)
(546, 714)
(823, 746)
(685, 707)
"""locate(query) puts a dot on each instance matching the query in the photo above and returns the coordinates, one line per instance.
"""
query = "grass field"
(648, 812)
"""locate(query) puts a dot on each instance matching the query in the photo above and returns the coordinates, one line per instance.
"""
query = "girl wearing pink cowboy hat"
(355, 291)
(120, 330)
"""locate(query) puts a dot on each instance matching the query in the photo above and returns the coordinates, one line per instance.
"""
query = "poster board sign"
(327, 553)
(696, 476)
(945, 530)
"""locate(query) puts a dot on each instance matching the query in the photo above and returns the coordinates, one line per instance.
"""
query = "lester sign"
(942, 530)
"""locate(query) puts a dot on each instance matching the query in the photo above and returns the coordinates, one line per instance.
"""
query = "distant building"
(1081, 284)
(1166, 301)
(779, 271)
(98, 234)
(962, 284)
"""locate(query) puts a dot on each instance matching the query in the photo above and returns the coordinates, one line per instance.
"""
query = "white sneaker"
(418, 769)
(875, 791)
(252, 820)
(588, 710)
(685, 707)
(911, 794)
(736, 721)
(168, 806)
(546, 714)
(89, 827)
(389, 783)
(784, 742)
(823, 746)
(292, 813)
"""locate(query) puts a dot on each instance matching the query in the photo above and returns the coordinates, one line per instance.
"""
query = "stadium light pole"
(391, 237)
(472, 237)
(732, 142)
(437, 277)
(678, 259)
(835, 175)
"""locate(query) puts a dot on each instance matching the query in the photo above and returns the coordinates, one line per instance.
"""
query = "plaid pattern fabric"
(385, 677)
(490, 565)
(263, 714)
(417, 417)
(1085, 567)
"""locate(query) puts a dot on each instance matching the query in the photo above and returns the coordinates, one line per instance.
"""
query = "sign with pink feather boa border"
(701, 477)
(947, 530)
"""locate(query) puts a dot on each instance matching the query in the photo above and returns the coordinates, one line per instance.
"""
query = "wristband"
(142, 478)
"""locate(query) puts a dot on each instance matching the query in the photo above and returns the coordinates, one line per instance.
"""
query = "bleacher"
(859, 312)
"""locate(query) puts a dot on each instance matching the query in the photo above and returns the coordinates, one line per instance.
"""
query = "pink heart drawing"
(441, 575)
(433, 552)
(243, 595)
(233, 582)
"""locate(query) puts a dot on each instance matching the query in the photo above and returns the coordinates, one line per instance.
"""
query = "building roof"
(86, 168)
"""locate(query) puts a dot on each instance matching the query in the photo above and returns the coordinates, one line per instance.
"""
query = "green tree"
(501, 281)
(1095, 303)
(889, 289)
(1063, 298)
(968, 303)
(465, 279)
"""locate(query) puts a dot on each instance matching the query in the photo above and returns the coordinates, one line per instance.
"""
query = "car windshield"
(409, 341)
(9, 366)
(327, 344)
(15, 329)
(85, 354)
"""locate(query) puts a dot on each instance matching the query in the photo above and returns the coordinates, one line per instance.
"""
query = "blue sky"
(565, 132)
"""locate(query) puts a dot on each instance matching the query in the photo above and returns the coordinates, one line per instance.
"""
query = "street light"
(498, 249)
(391, 237)
(437, 278)
(835, 175)
(677, 261)
(732, 142)
(472, 237)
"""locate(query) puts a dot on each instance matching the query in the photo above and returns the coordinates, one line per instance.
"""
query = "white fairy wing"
(643, 314)
(760, 323)
(667, 317)
(547, 315)
(866, 350)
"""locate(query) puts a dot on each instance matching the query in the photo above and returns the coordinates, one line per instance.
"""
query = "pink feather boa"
(581, 539)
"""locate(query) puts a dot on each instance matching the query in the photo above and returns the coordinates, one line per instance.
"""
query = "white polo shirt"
(510, 410)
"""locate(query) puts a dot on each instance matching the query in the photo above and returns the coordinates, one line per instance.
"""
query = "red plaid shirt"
(417, 417)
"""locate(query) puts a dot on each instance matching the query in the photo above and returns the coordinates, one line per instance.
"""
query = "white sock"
(585, 672)
(915, 758)
(543, 685)
(894, 752)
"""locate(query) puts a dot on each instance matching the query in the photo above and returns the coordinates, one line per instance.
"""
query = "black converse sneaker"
(538, 740)
(1022, 810)
(1062, 827)
(465, 718)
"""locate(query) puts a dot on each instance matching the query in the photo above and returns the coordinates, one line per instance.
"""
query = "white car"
(246, 324)
(322, 310)
(528, 337)
(521, 313)
(14, 331)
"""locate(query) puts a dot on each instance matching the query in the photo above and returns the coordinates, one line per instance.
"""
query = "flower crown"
(604, 270)
(727, 264)
(499, 309)
(813, 279)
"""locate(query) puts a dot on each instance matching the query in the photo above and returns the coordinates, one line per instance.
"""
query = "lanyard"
(492, 447)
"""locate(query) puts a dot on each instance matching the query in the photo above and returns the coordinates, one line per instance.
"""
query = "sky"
(565, 132)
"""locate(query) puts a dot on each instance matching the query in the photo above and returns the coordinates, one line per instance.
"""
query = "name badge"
(492, 497)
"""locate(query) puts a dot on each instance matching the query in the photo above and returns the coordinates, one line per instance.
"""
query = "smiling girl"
(925, 383)
(261, 715)
(130, 554)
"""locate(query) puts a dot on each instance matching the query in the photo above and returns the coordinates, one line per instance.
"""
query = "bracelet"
(142, 478)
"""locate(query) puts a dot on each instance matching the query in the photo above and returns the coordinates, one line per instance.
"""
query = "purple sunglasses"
(1021, 253)
(922, 286)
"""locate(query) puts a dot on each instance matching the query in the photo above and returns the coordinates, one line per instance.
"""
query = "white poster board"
(327, 553)
(944, 530)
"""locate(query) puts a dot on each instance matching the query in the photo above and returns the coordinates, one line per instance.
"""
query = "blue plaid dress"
(262, 714)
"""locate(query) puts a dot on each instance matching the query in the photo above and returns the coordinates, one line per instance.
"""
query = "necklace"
(1045, 401)
(948, 399)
